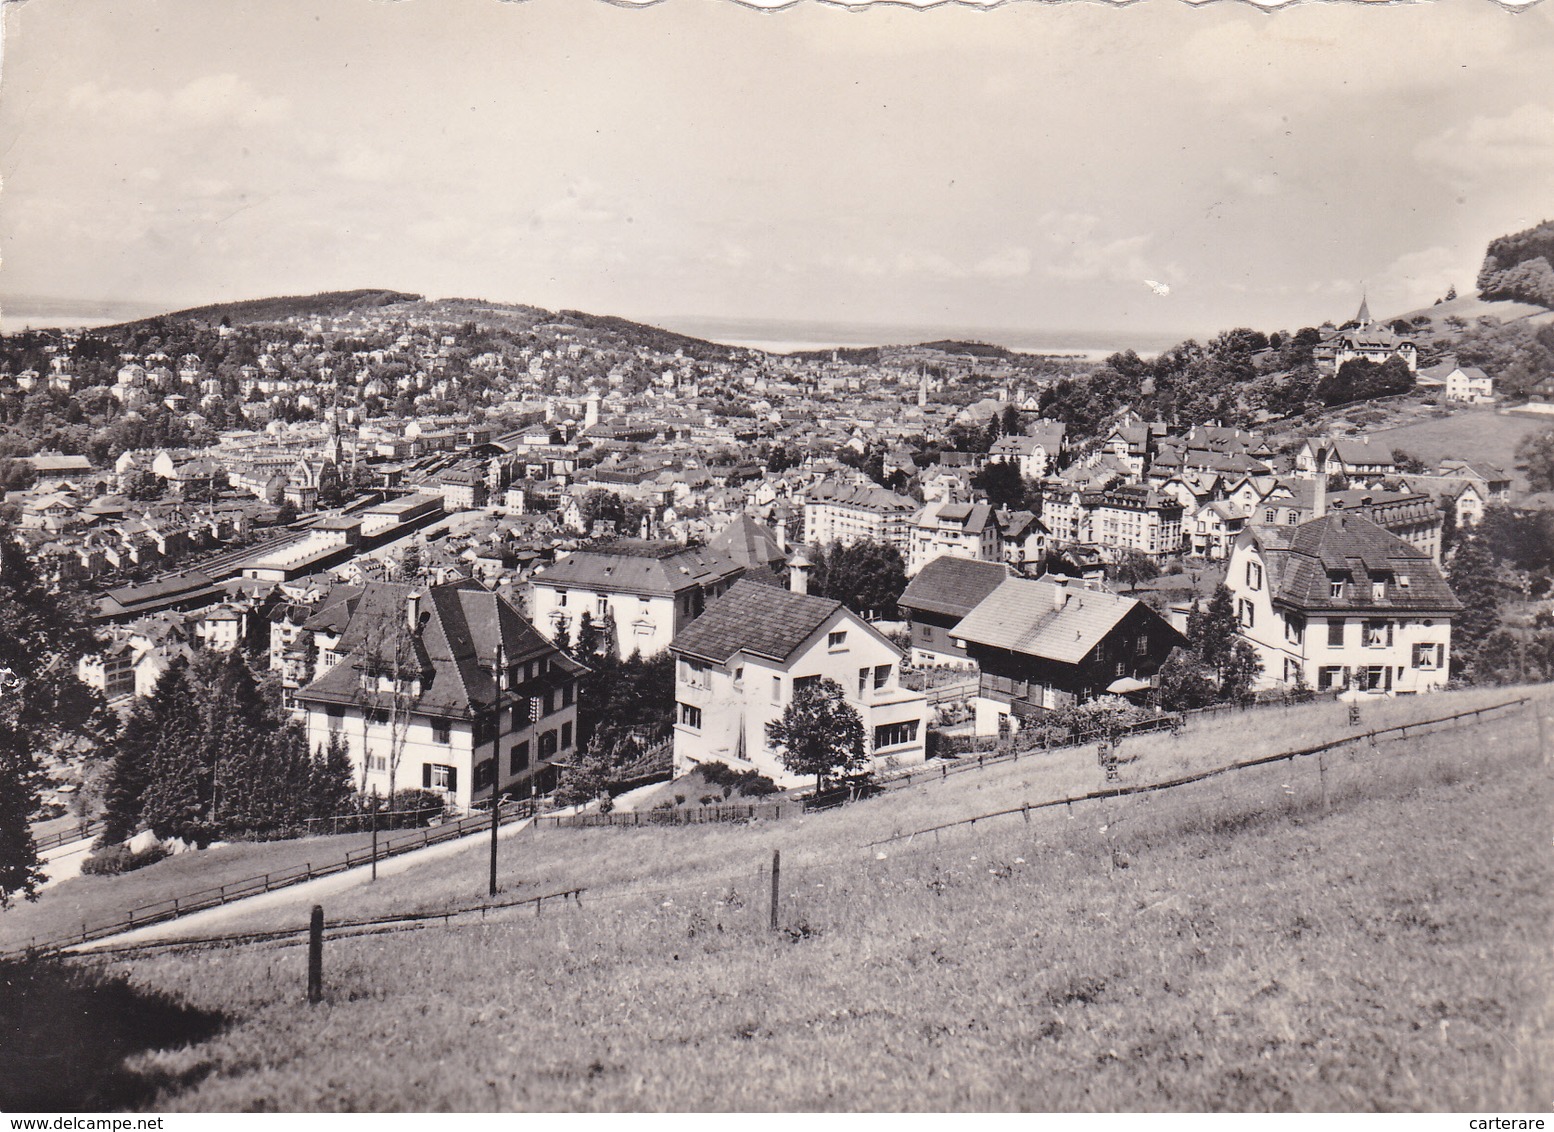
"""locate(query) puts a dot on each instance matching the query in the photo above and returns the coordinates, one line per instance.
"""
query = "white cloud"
(1077, 250)
(1423, 276)
(1518, 142)
(1264, 184)
(1011, 263)
(209, 100)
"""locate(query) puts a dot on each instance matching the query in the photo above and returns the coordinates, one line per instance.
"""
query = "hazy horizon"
(1160, 169)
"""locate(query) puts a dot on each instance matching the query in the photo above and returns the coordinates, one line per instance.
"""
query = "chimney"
(1319, 497)
(798, 572)
(1059, 593)
(413, 610)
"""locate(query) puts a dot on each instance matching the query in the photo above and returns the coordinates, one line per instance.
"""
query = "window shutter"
(453, 778)
(1389, 634)
(1346, 676)
(426, 776)
(1440, 656)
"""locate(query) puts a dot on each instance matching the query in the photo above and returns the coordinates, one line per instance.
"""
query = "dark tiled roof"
(640, 567)
(1303, 561)
(462, 624)
(952, 586)
(762, 620)
(748, 543)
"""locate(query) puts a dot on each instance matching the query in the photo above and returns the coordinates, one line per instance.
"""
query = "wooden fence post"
(1322, 775)
(316, 956)
(776, 882)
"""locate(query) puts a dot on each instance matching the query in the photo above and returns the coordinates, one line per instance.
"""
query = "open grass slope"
(1223, 946)
(1481, 434)
(65, 907)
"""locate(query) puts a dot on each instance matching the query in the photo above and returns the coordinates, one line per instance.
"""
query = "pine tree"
(587, 635)
(332, 789)
(176, 798)
(42, 638)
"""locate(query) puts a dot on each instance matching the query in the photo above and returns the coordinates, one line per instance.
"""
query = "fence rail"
(79, 832)
(1026, 808)
(214, 897)
(703, 815)
(339, 929)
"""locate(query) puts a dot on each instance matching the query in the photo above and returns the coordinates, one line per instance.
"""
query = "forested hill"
(605, 331)
(290, 306)
(1518, 267)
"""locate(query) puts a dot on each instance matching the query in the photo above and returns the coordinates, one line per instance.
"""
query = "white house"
(642, 591)
(447, 687)
(738, 665)
(960, 530)
(1342, 604)
(1471, 384)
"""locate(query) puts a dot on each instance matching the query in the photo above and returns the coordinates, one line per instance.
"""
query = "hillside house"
(1052, 642)
(936, 600)
(836, 512)
(960, 530)
(643, 591)
(454, 683)
(738, 666)
(1340, 603)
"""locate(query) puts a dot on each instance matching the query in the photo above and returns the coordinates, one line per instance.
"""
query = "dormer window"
(1335, 587)
(1379, 589)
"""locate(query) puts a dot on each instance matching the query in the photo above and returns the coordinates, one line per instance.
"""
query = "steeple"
(1364, 317)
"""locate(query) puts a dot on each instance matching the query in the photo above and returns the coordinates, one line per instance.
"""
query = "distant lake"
(784, 337)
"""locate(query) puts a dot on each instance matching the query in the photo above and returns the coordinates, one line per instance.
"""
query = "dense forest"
(1517, 267)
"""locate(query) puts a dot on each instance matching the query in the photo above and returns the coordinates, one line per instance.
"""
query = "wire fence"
(1026, 808)
(805, 875)
(214, 897)
(361, 823)
(339, 929)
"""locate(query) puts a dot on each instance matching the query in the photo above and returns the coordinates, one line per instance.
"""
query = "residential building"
(1045, 644)
(1133, 517)
(845, 513)
(642, 592)
(738, 666)
(1036, 452)
(446, 688)
(1340, 603)
(1347, 457)
(960, 530)
(936, 600)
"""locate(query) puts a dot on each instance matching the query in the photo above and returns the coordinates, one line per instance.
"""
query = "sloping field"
(1224, 946)
(1476, 435)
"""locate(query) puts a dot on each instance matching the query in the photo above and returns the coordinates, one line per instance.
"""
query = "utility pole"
(496, 820)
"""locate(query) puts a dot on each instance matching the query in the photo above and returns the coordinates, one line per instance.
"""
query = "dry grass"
(64, 907)
(1473, 434)
(1222, 946)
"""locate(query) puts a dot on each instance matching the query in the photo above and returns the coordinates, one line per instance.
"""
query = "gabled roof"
(1303, 560)
(760, 620)
(455, 647)
(637, 566)
(953, 586)
(747, 542)
(1044, 618)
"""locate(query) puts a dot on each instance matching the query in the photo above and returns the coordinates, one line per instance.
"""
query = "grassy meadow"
(93, 900)
(1222, 946)
(1475, 434)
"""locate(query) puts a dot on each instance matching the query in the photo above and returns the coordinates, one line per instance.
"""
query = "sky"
(1161, 167)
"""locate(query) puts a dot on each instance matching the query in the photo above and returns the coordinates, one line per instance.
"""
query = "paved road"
(296, 899)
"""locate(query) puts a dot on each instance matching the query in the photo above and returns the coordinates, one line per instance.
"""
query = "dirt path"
(295, 899)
